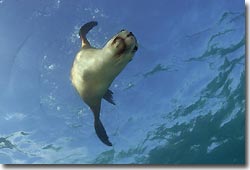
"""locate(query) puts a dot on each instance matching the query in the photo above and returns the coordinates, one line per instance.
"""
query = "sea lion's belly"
(90, 76)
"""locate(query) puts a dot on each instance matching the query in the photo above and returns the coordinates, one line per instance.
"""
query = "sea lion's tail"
(101, 132)
(84, 30)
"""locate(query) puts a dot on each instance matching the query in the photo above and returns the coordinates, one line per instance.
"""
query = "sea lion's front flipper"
(109, 97)
(99, 128)
(84, 30)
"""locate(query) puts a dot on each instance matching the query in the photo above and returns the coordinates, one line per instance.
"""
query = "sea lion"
(94, 69)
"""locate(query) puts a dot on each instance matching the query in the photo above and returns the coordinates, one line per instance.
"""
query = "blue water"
(180, 101)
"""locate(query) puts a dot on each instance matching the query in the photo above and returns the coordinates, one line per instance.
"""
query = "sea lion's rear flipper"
(101, 132)
(109, 97)
(99, 128)
(84, 30)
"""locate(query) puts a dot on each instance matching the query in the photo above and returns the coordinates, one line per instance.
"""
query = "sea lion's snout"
(131, 42)
(124, 42)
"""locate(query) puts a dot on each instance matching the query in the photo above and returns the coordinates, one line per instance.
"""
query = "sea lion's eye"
(135, 49)
(130, 34)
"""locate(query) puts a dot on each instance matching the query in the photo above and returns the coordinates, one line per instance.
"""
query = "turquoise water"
(180, 101)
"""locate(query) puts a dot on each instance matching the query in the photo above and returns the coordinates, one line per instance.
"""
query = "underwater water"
(181, 100)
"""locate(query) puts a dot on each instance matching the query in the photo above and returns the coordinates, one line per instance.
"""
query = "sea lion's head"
(124, 43)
